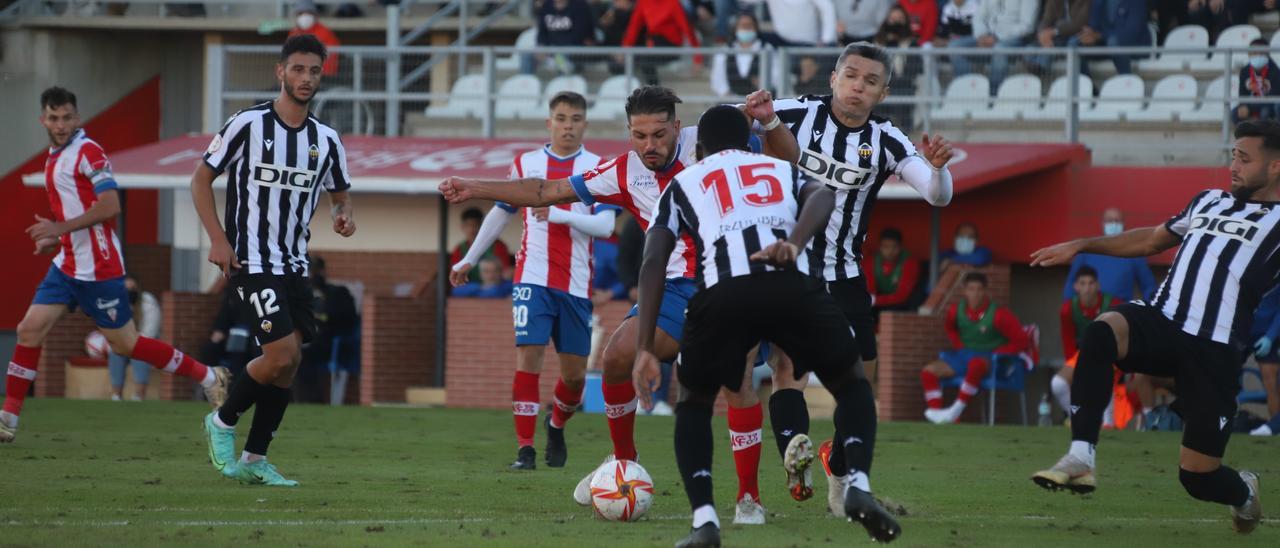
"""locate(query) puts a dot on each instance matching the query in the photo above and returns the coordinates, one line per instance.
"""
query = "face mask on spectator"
(1112, 228)
(965, 245)
(746, 36)
(306, 20)
(1258, 61)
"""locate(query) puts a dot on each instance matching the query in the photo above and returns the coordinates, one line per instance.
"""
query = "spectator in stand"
(896, 32)
(613, 19)
(492, 284)
(894, 274)
(472, 218)
(306, 21)
(1118, 276)
(566, 23)
(923, 17)
(662, 24)
(1266, 348)
(1216, 15)
(956, 22)
(1076, 313)
(1259, 78)
(981, 333)
(811, 80)
(860, 20)
(1114, 23)
(1061, 21)
(804, 23)
(715, 18)
(1170, 14)
(741, 75)
(966, 250)
(146, 312)
(999, 24)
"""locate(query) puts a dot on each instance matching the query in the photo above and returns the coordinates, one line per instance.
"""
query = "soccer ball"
(621, 490)
(95, 345)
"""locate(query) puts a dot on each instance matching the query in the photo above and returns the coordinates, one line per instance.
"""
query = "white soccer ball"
(621, 490)
(95, 345)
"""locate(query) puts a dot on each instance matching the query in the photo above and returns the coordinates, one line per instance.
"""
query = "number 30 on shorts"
(264, 302)
(520, 312)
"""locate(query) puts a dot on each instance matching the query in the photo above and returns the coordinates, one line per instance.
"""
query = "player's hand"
(46, 246)
(759, 106)
(456, 190)
(343, 224)
(45, 229)
(460, 273)
(780, 254)
(1056, 254)
(541, 213)
(221, 254)
(1262, 348)
(647, 376)
(937, 150)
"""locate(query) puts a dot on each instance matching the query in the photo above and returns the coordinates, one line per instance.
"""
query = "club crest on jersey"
(216, 144)
(313, 152)
(836, 174)
(865, 150)
(289, 178)
(1227, 227)
(266, 325)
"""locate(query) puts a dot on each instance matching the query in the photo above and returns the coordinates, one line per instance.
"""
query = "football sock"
(567, 400)
(788, 416)
(855, 418)
(243, 394)
(1084, 451)
(972, 381)
(744, 435)
(703, 515)
(620, 408)
(272, 401)
(1061, 392)
(693, 451)
(22, 372)
(1091, 387)
(171, 360)
(525, 406)
(1223, 486)
(835, 459)
(932, 389)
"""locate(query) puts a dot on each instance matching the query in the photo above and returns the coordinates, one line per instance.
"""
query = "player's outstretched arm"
(1139, 242)
(530, 192)
(658, 245)
(107, 207)
(490, 229)
(343, 213)
(220, 252)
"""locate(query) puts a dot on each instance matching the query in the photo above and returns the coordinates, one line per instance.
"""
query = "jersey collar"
(828, 99)
(547, 149)
(78, 134)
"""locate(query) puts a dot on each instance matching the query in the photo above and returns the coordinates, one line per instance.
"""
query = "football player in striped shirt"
(1195, 330)
(88, 271)
(551, 300)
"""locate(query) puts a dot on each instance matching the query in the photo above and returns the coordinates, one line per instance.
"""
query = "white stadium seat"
(527, 40)
(1173, 95)
(1055, 105)
(1120, 94)
(1237, 36)
(558, 84)
(1018, 94)
(964, 96)
(611, 99)
(1210, 109)
(1186, 36)
(466, 99)
(517, 94)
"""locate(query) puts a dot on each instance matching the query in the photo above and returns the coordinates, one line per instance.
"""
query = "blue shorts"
(958, 360)
(541, 314)
(675, 299)
(106, 302)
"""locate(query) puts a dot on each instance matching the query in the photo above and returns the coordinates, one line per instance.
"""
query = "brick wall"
(398, 347)
(186, 320)
(65, 341)
(381, 271)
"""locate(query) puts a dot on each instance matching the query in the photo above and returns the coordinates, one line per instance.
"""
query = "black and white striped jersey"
(855, 162)
(274, 173)
(1229, 259)
(733, 204)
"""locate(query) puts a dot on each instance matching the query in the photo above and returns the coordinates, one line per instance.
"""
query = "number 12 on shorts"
(264, 302)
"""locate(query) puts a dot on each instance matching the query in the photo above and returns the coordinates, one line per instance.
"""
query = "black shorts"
(791, 310)
(273, 306)
(855, 302)
(1207, 374)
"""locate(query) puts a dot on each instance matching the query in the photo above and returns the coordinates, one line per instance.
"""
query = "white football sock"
(705, 514)
(860, 481)
(1061, 392)
(1084, 451)
(217, 421)
(247, 457)
(209, 377)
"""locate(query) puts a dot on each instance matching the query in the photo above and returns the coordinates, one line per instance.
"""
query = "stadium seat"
(1210, 109)
(517, 94)
(611, 99)
(1009, 374)
(1186, 36)
(1173, 95)
(1236, 36)
(1018, 94)
(964, 96)
(466, 99)
(527, 40)
(1055, 106)
(1120, 94)
(558, 84)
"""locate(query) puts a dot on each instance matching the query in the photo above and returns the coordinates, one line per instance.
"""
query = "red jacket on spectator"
(330, 41)
(906, 284)
(664, 18)
(1005, 322)
(924, 18)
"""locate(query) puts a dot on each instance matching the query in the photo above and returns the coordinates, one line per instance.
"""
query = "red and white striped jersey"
(74, 175)
(625, 182)
(552, 255)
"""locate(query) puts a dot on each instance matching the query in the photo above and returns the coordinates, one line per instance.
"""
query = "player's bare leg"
(745, 421)
(32, 330)
(265, 384)
(525, 403)
(568, 394)
(126, 341)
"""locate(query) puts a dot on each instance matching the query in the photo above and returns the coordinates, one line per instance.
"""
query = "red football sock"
(744, 433)
(169, 359)
(524, 406)
(620, 407)
(932, 389)
(566, 403)
(972, 380)
(22, 372)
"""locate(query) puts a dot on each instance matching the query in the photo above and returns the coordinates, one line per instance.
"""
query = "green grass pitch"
(137, 474)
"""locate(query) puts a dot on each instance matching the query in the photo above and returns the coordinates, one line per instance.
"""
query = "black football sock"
(788, 416)
(694, 445)
(243, 394)
(1091, 386)
(266, 419)
(855, 418)
(1223, 486)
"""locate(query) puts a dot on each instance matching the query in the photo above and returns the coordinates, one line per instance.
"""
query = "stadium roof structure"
(416, 165)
